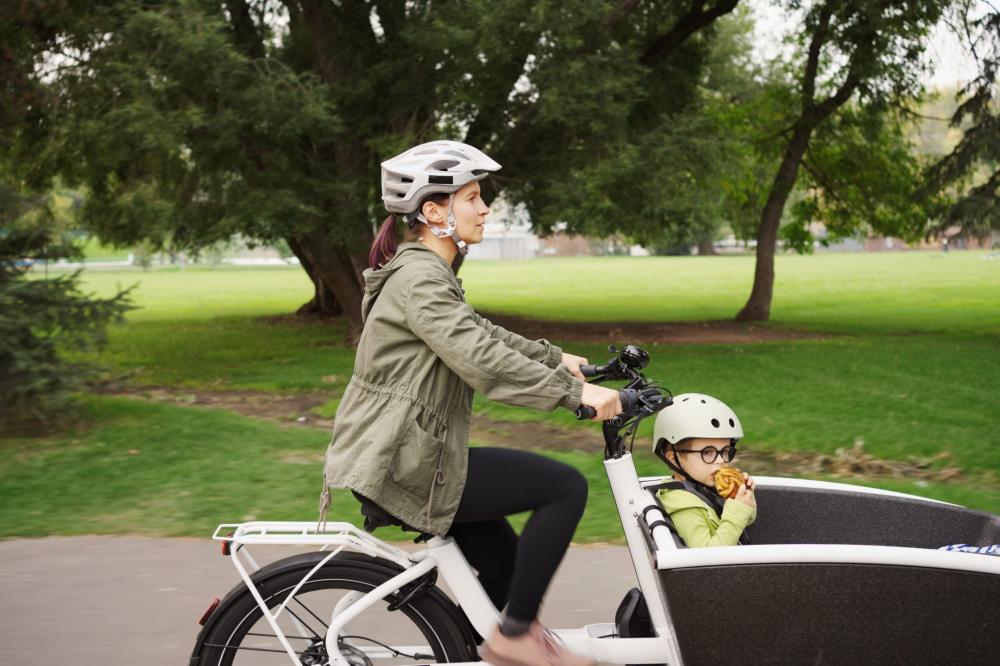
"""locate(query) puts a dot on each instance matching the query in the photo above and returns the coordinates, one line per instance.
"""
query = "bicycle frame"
(633, 503)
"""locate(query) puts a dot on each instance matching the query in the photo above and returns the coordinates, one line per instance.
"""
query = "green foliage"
(42, 318)
(181, 139)
(187, 124)
(861, 176)
(971, 171)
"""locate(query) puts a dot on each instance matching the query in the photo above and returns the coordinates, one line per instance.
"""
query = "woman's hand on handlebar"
(573, 363)
(606, 401)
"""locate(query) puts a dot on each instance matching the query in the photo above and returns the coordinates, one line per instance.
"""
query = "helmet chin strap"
(451, 230)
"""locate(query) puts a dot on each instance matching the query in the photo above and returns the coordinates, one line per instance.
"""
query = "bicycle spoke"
(308, 610)
(296, 616)
(251, 649)
(303, 638)
(394, 651)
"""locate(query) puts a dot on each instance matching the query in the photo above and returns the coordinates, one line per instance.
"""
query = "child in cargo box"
(696, 436)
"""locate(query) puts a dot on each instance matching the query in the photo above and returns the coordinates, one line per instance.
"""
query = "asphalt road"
(117, 601)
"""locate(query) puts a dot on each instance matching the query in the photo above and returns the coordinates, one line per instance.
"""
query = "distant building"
(950, 239)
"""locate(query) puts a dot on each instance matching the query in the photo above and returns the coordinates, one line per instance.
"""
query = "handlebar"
(628, 397)
(640, 398)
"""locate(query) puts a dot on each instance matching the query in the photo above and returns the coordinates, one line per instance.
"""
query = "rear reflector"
(225, 545)
(208, 613)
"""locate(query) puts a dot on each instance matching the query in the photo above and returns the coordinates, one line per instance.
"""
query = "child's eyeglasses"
(710, 453)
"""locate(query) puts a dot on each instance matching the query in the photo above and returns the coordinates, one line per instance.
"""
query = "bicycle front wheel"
(420, 629)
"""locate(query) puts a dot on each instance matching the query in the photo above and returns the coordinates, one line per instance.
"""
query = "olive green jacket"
(401, 432)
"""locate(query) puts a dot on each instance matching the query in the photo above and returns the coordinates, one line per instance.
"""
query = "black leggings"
(516, 571)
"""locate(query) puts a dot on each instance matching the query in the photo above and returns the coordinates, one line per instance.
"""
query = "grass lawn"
(161, 470)
(909, 366)
(904, 292)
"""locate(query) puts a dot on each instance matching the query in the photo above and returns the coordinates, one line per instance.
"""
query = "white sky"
(952, 65)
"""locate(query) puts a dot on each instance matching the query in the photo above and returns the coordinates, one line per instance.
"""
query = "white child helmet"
(694, 415)
(430, 168)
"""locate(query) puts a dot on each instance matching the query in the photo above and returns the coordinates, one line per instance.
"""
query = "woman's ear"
(432, 212)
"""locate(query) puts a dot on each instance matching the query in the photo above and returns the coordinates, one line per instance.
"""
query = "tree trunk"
(323, 302)
(334, 267)
(758, 306)
(706, 247)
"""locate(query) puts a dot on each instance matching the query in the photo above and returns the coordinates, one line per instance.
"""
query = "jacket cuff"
(574, 398)
(554, 355)
(739, 512)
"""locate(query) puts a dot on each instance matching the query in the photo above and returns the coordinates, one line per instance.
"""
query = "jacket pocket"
(418, 462)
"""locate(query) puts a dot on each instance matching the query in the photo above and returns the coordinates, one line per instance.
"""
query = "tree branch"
(696, 19)
(244, 30)
(812, 61)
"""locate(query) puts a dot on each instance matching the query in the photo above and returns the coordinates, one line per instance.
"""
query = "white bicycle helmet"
(430, 168)
(694, 415)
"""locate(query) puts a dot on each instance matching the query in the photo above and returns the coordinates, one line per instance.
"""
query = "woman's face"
(470, 213)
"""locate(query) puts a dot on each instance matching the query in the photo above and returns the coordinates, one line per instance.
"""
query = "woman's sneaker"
(536, 647)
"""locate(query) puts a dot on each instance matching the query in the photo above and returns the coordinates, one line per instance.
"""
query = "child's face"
(694, 464)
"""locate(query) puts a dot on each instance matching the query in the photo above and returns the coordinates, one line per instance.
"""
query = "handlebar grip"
(588, 370)
(628, 398)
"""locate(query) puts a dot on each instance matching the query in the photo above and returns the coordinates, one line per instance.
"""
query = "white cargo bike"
(834, 574)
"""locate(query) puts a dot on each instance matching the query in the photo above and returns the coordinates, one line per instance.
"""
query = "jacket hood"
(406, 253)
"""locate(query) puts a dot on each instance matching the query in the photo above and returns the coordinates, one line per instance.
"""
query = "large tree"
(189, 121)
(864, 53)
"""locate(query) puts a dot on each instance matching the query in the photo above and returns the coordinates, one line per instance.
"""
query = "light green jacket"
(699, 525)
(401, 432)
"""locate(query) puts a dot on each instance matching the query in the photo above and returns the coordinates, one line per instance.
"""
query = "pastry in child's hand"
(728, 481)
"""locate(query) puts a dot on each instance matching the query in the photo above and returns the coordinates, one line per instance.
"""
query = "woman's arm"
(437, 314)
(542, 350)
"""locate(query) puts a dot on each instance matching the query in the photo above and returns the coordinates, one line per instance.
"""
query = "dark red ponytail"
(384, 245)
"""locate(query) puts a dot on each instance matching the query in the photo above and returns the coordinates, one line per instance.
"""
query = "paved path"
(117, 601)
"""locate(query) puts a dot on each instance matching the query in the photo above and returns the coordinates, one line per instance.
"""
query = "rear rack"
(342, 535)
(334, 537)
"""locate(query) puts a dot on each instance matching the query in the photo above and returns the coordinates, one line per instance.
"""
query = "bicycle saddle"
(376, 517)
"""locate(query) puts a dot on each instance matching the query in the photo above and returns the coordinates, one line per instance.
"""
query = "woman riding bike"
(400, 438)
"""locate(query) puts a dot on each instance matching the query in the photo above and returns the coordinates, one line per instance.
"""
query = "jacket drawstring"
(324, 506)
(437, 481)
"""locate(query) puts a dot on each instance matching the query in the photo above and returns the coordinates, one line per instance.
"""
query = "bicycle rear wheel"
(422, 629)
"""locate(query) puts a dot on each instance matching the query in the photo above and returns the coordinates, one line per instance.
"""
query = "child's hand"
(745, 493)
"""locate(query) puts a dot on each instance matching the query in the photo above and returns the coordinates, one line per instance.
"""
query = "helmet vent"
(406, 180)
(732, 423)
(456, 154)
(703, 402)
(685, 399)
(715, 422)
(444, 165)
